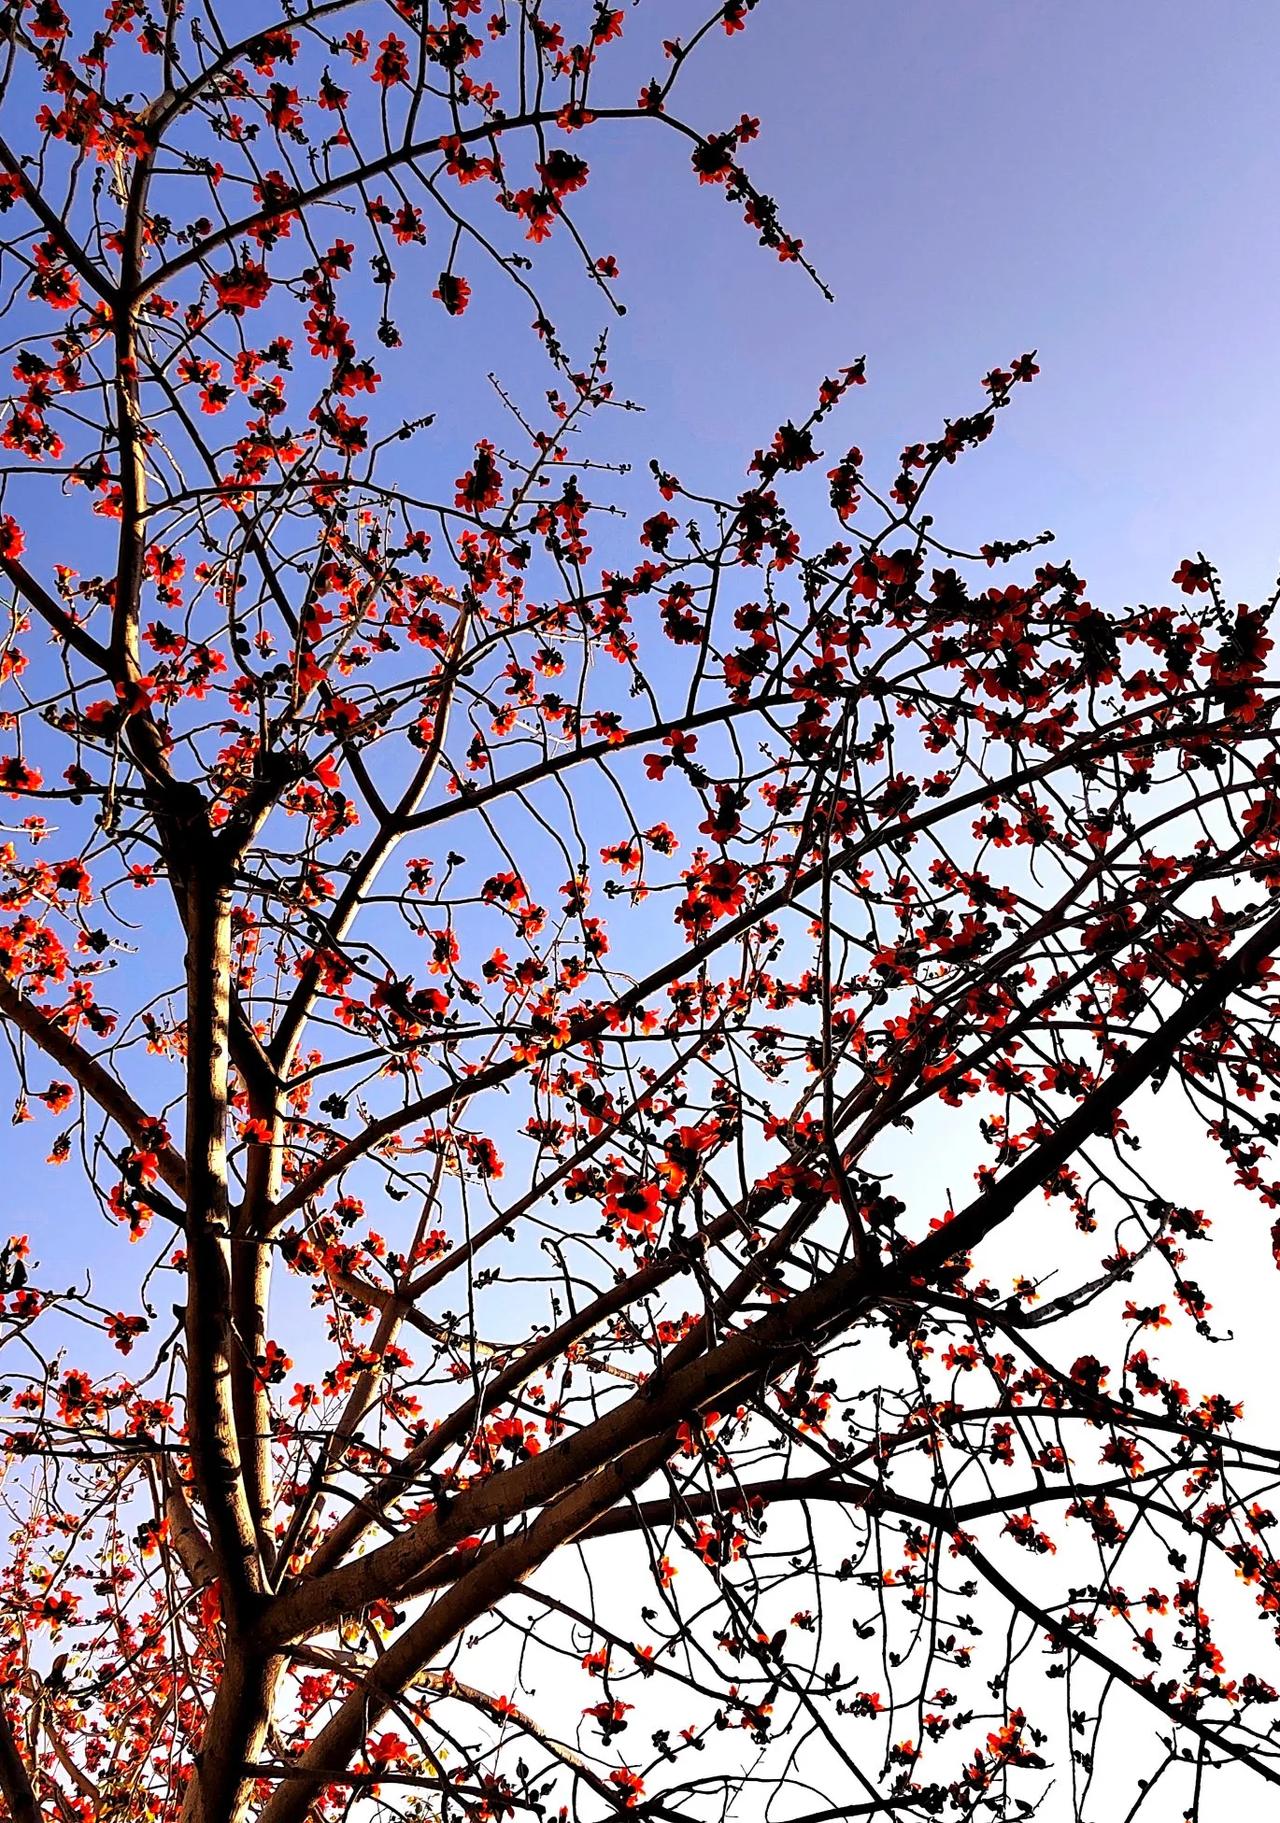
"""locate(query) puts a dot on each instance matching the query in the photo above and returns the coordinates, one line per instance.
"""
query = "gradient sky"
(975, 177)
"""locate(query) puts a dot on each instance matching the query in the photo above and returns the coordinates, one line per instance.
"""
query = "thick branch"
(52, 611)
(211, 1339)
(15, 1780)
(55, 227)
(96, 1082)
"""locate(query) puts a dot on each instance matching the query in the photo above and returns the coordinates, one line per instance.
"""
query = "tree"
(520, 1388)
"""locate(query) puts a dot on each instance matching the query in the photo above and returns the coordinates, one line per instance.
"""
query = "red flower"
(272, 1366)
(388, 1749)
(1191, 577)
(244, 287)
(480, 488)
(716, 891)
(16, 777)
(629, 1782)
(391, 66)
(562, 172)
(713, 161)
(634, 1208)
(453, 292)
(124, 1330)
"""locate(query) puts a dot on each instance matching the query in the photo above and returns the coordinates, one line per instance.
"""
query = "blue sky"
(973, 178)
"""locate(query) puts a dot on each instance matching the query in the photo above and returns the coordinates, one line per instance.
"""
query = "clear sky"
(974, 177)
